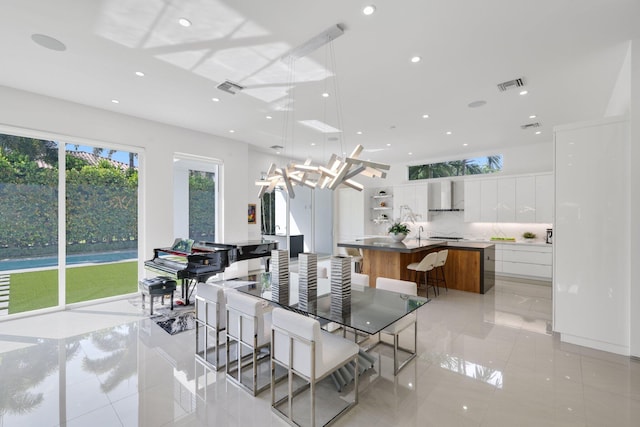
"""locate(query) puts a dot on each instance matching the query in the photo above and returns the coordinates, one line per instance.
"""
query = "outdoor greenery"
(202, 206)
(39, 289)
(101, 201)
(488, 164)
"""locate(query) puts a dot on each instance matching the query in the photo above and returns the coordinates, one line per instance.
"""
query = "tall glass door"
(28, 224)
(101, 223)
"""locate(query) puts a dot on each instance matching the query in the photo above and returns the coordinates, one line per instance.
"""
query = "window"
(99, 236)
(473, 166)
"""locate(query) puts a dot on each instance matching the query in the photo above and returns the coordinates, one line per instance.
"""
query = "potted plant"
(398, 231)
(528, 236)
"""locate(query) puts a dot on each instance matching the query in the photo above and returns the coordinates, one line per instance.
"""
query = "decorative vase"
(398, 237)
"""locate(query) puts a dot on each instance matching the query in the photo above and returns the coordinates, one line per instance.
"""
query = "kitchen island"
(470, 265)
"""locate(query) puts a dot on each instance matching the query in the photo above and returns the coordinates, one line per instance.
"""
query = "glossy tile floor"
(484, 360)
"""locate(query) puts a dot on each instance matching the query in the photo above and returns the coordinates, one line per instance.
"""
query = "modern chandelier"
(338, 171)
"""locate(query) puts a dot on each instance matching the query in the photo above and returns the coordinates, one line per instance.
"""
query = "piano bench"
(156, 286)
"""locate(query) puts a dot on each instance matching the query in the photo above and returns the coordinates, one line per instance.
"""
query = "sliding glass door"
(28, 224)
(101, 223)
(92, 213)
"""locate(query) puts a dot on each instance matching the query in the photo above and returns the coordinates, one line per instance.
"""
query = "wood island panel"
(463, 268)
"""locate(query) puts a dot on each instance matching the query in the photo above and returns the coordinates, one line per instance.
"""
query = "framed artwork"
(251, 213)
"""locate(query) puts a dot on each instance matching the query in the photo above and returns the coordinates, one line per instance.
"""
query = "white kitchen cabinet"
(472, 199)
(506, 200)
(488, 200)
(351, 214)
(413, 196)
(591, 236)
(526, 206)
(526, 260)
(544, 198)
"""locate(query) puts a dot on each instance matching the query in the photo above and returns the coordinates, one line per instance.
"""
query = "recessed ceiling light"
(231, 131)
(139, 74)
(388, 145)
(538, 132)
(410, 153)
(359, 132)
(115, 101)
(269, 117)
(415, 59)
(533, 116)
(48, 42)
(313, 144)
(465, 144)
(184, 22)
(524, 92)
(215, 99)
(425, 116)
(368, 10)
(448, 132)
(325, 95)
(476, 104)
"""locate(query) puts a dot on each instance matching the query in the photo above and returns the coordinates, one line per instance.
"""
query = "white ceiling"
(568, 51)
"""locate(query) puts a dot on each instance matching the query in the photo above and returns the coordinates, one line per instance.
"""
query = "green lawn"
(39, 289)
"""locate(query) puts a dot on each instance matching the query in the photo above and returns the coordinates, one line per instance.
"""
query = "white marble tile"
(484, 360)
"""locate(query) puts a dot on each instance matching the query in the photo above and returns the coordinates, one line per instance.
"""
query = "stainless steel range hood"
(441, 197)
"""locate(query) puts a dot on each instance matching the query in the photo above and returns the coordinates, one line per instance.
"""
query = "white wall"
(72, 122)
(311, 210)
(634, 122)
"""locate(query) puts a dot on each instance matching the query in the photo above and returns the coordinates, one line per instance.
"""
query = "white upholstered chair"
(360, 279)
(441, 260)
(307, 352)
(249, 332)
(425, 266)
(211, 323)
(407, 288)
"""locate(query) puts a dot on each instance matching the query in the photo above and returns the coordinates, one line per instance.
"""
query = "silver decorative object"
(280, 276)
(340, 285)
(308, 281)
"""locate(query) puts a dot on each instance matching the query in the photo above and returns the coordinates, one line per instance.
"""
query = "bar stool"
(425, 266)
(439, 266)
(356, 259)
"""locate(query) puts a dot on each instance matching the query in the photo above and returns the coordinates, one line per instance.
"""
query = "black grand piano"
(204, 259)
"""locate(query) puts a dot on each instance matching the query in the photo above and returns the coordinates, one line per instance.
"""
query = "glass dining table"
(371, 310)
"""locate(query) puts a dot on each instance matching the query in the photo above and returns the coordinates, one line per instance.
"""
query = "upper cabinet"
(544, 198)
(526, 206)
(488, 200)
(411, 198)
(524, 199)
(506, 208)
(472, 201)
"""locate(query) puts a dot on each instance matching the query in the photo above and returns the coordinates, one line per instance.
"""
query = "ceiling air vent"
(230, 87)
(276, 147)
(511, 84)
(530, 125)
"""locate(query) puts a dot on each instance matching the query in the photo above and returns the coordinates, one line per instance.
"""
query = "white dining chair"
(360, 279)
(211, 323)
(307, 352)
(410, 289)
(249, 332)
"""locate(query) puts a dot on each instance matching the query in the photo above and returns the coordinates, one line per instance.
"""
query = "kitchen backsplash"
(452, 224)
